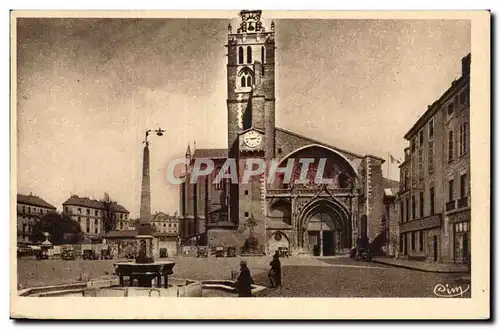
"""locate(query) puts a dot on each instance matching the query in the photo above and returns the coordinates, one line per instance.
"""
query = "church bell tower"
(250, 87)
(250, 106)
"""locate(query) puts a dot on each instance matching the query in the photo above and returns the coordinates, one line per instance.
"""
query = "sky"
(87, 89)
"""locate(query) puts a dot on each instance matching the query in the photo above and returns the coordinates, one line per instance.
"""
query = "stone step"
(58, 293)
(47, 289)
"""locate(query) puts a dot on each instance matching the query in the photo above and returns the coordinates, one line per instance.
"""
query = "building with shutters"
(165, 223)
(434, 188)
(30, 208)
(89, 213)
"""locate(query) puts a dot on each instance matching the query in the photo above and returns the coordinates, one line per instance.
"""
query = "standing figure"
(275, 272)
(244, 281)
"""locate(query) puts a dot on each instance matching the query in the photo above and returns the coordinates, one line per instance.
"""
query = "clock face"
(252, 139)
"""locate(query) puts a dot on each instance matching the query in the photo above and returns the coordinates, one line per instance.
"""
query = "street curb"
(417, 268)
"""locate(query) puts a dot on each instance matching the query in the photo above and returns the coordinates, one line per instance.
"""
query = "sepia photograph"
(212, 157)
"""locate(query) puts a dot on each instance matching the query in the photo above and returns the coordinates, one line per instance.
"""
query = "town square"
(243, 157)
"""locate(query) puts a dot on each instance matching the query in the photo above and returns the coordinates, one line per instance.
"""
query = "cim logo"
(446, 290)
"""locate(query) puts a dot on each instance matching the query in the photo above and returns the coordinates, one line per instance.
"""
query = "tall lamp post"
(145, 268)
(145, 238)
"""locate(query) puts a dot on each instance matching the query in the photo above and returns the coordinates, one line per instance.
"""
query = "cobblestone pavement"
(349, 278)
(423, 266)
(32, 273)
(302, 277)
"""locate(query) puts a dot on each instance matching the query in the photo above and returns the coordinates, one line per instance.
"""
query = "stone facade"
(164, 223)
(306, 218)
(89, 213)
(435, 178)
(30, 208)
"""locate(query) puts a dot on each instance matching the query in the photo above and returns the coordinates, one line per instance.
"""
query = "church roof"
(222, 153)
(314, 141)
(210, 153)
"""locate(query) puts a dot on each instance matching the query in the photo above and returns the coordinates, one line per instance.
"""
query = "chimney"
(466, 65)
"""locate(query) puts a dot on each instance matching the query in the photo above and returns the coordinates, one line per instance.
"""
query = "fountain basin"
(110, 288)
(145, 273)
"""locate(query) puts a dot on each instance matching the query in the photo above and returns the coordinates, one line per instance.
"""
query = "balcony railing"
(277, 191)
(305, 190)
(463, 202)
(450, 205)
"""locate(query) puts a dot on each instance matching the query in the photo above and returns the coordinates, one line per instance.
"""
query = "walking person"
(244, 281)
(275, 272)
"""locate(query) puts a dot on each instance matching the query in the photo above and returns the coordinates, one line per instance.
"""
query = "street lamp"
(159, 132)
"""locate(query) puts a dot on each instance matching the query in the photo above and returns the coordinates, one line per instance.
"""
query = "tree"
(110, 213)
(62, 229)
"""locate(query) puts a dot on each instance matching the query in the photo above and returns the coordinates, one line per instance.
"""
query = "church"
(307, 218)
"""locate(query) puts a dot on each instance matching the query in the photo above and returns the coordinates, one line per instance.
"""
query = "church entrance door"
(326, 228)
(328, 243)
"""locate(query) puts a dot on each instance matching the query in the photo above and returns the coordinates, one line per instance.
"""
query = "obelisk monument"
(144, 237)
(145, 210)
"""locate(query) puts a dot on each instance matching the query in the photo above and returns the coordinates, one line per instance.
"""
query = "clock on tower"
(252, 139)
(250, 86)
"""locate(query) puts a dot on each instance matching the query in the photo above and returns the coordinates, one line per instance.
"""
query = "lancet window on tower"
(249, 54)
(246, 81)
(262, 54)
(240, 55)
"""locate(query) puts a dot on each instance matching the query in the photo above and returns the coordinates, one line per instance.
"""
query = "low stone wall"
(35, 273)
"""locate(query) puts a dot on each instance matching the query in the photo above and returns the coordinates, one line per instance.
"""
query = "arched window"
(246, 78)
(262, 54)
(249, 54)
(282, 210)
(240, 55)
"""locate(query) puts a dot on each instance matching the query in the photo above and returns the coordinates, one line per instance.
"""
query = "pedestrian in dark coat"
(275, 270)
(244, 281)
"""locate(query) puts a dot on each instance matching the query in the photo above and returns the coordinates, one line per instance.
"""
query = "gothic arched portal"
(324, 228)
